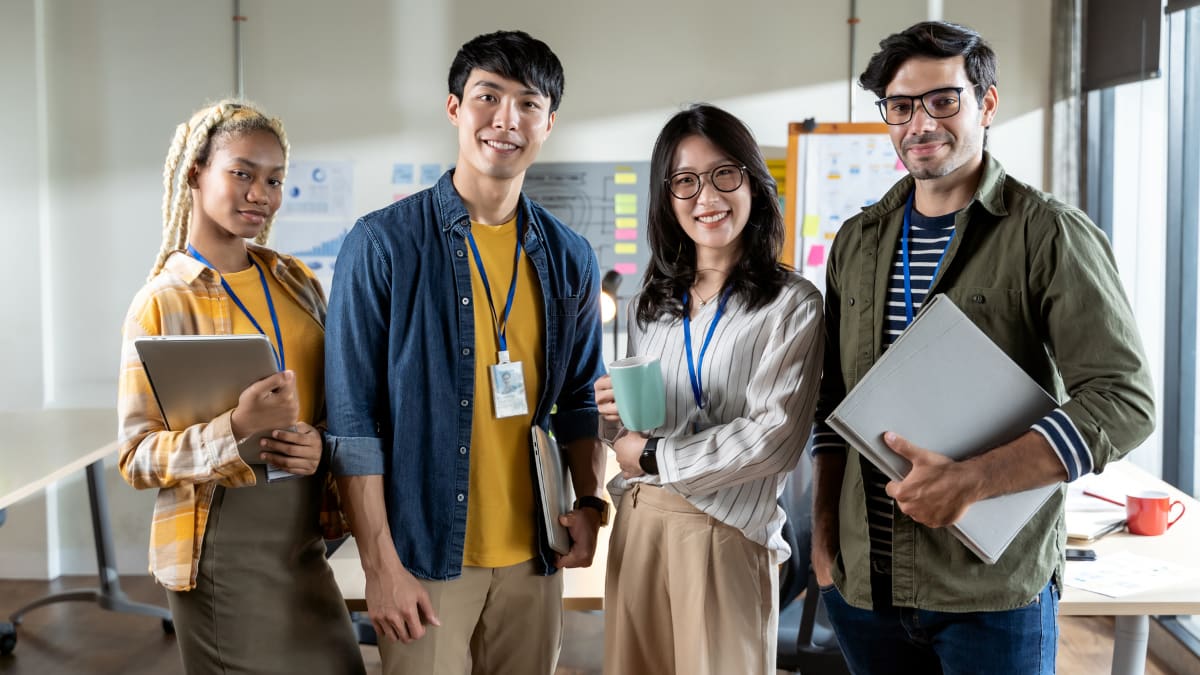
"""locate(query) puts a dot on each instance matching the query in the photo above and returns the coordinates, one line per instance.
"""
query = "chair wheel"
(168, 626)
(8, 638)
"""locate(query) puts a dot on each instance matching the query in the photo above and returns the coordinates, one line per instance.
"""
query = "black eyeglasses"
(938, 104)
(687, 184)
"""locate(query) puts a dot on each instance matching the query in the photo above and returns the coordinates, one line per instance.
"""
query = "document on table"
(1123, 573)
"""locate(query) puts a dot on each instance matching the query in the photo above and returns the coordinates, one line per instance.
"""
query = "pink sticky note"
(626, 235)
(900, 165)
(626, 269)
(816, 255)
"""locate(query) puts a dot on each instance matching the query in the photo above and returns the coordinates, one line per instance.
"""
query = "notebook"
(195, 378)
(945, 386)
(555, 494)
(1085, 526)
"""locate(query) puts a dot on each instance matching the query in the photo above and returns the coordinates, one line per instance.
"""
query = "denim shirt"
(400, 362)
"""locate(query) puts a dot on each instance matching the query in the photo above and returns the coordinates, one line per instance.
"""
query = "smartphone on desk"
(1081, 554)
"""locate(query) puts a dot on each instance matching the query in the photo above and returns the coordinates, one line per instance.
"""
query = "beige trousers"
(685, 592)
(495, 621)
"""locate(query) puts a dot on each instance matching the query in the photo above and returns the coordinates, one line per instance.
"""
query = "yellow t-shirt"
(303, 337)
(501, 527)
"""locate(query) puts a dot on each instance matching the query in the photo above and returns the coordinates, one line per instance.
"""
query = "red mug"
(1148, 512)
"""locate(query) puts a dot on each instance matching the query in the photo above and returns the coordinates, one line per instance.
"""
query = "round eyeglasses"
(687, 184)
(938, 104)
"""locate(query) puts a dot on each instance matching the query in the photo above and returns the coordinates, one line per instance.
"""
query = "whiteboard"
(838, 170)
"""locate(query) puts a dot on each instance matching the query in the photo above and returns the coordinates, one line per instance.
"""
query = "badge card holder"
(508, 388)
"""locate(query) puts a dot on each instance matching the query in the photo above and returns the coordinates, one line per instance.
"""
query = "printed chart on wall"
(606, 203)
(318, 207)
(839, 169)
(316, 214)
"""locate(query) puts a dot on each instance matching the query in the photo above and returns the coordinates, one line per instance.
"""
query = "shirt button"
(978, 299)
(466, 351)
(466, 301)
(461, 496)
(851, 302)
(459, 253)
(462, 450)
(464, 403)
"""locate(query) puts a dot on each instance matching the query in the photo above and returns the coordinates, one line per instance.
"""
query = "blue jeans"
(908, 641)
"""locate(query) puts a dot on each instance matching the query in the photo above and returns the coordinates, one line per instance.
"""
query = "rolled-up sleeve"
(356, 339)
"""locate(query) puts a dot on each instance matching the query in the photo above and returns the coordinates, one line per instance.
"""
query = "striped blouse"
(760, 377)
(186, 466)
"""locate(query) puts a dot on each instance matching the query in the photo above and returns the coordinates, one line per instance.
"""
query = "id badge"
(508, 389)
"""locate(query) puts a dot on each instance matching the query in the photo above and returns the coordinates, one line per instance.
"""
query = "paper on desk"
(1122, 573)
(1107, 484)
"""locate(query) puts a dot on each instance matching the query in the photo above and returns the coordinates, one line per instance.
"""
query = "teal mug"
(638, 388)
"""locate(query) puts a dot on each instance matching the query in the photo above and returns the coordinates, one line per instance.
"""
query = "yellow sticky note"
(625, 204)
(626, 223)
(625, 248)
(625, 178)
(812, 225)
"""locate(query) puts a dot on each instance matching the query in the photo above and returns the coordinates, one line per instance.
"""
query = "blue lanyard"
(279, 357)
(695, 369)
(501, 325)
(908, 301)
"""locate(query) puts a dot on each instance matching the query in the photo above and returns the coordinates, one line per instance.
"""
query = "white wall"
(365, 82)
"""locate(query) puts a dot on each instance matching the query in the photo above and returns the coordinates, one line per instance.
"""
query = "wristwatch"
(649, 459)
(590, 502)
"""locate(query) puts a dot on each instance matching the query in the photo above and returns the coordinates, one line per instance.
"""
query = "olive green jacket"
(1040, 279)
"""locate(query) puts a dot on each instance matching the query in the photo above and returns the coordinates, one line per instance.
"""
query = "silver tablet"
(197, 377)
(554, 488)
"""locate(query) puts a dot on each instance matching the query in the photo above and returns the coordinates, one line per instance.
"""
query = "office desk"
(1132, 613)
(38, 448)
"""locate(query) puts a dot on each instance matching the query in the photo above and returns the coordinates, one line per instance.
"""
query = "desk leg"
(1129, 645)
(109, 596)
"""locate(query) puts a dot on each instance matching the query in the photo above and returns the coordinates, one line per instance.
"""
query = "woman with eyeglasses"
(692, 569)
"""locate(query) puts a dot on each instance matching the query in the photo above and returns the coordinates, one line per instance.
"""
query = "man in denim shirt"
(439, 300)
(1039, 279)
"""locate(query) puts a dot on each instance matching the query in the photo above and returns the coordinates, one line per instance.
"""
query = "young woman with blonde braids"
(242, 558)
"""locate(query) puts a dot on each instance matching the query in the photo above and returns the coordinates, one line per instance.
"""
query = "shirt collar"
(989, 195)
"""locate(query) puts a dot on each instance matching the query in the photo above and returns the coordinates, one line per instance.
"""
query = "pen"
(1103, 498)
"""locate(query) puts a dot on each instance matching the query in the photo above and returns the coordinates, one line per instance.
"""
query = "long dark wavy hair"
(758, 276)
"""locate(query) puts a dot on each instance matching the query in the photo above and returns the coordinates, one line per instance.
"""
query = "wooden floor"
(82, 639)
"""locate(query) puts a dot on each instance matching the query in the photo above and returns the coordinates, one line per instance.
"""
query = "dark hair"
(758, 276)
(512, 54)
(935, 40)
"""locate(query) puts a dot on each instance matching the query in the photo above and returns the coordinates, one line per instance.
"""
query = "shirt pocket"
(564, 314)
(996, 311)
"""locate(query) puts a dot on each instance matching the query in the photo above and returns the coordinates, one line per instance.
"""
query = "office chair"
(806, 642)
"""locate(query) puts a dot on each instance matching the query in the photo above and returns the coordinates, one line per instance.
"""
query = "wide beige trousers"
(685, 592)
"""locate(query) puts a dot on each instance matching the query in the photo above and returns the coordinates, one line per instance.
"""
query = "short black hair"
(935, 40)
(757, 277)
(513, 54)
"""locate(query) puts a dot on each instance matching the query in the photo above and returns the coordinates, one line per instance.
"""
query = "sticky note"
(812, 225)
(626, 223)
(402, 174)
(625, 178)
(430, 173)
(816, 255)
(626, 235)
(625, 204)
(627, 269)
(625, 248)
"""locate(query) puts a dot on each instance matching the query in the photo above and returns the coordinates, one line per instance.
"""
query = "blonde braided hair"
(191, 147)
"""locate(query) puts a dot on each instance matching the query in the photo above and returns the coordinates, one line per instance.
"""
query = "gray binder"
(945, 386)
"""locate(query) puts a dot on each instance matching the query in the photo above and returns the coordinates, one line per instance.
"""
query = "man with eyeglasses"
(1039, 278)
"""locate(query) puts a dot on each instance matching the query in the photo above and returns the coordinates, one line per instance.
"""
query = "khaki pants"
(686, 593)
(495, 621)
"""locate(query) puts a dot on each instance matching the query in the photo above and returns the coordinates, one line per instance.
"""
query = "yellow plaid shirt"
(186, 466)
